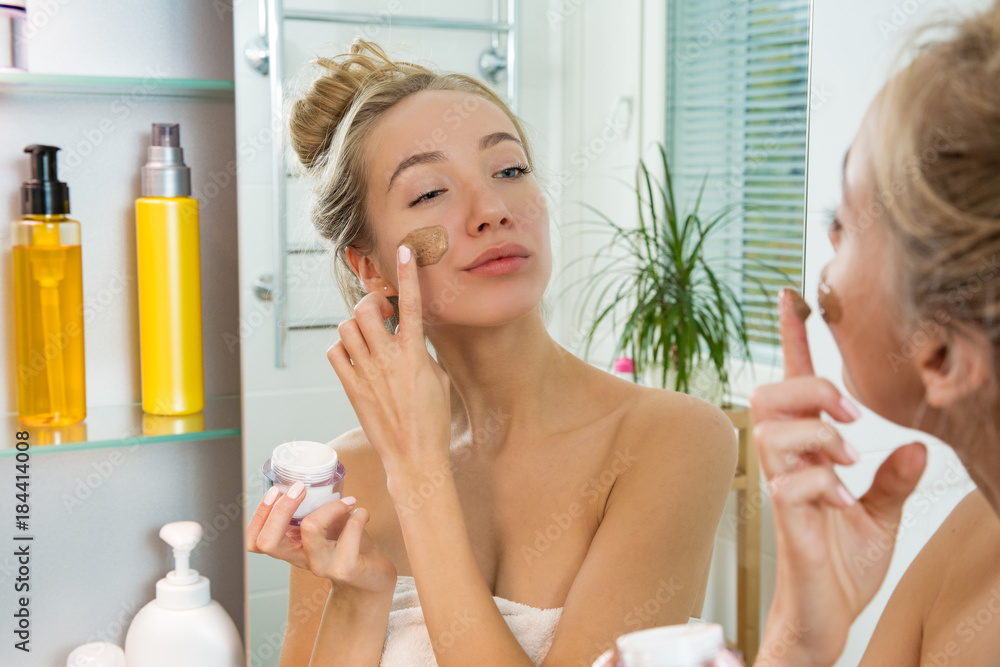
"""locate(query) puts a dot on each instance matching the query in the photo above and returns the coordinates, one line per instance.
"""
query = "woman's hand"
(331, 542)
(833, 551)
(400, 394)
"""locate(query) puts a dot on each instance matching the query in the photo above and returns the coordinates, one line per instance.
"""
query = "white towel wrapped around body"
(408, 644)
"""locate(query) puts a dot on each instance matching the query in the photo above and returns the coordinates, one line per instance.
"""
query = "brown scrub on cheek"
(829, 303)
(428, 244)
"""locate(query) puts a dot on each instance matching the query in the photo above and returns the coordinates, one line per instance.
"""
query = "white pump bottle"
(183, 625)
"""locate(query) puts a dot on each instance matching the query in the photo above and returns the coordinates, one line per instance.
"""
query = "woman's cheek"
(828, 298)
(437, 294)
(865, 335)
(838, 318)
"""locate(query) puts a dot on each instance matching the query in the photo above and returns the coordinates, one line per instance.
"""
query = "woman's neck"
(502, 377)
(975, 437)
(982, 461)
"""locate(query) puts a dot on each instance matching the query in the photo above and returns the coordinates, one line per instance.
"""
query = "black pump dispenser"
(44, 193)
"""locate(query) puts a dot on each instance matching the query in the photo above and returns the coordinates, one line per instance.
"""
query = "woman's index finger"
(411, 315)
(792, 314)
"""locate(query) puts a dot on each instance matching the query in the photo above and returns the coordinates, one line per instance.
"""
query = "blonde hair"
(329, 128)
(937, 177)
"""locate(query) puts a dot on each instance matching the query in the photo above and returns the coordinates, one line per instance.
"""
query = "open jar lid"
(305, 461)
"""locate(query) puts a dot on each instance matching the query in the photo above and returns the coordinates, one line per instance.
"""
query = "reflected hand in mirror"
(822, 532)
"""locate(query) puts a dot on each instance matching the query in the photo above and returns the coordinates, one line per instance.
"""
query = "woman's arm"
(644, 567)
(319, 610)
(463, 621)
(332, 544)
(307, 596)
(352, 631)
(330, 627)
(650, 558)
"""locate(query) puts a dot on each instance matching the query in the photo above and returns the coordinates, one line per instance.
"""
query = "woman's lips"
(499, 267)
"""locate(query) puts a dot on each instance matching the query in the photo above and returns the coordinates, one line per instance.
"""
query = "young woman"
(912, 298)
(503, 467)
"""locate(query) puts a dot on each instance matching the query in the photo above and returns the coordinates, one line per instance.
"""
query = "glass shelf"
(115, 85)
(127, 425)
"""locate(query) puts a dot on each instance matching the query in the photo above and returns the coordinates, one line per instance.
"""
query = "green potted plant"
(681, 320)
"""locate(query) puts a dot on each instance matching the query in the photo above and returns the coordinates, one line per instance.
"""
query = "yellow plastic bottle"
(48, 300)
(169, 268)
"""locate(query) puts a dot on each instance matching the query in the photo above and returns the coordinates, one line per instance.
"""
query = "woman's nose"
(488, 211)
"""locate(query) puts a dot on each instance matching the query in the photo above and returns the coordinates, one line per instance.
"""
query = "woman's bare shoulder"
(682, 422)
(362, 464)
(957, 559)
(674, 417)
(970, 533)
(690, 435)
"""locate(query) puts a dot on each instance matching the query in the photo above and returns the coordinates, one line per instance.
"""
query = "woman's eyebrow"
(488, 141)
(491, 140)
(413, 160)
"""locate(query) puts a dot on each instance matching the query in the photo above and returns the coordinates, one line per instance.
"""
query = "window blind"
(737, 96)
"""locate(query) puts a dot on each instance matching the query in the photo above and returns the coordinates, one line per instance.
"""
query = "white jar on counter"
(691, 645)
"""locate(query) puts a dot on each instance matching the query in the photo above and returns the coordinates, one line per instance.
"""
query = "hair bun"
(315, 115)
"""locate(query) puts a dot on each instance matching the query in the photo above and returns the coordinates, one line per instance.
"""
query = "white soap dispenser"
(183, 625)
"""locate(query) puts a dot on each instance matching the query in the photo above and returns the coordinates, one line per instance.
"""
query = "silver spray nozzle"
(165, 174)
(167, 134)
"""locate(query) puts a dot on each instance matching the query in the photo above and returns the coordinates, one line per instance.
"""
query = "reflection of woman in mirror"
(507, 467)
(912, 298)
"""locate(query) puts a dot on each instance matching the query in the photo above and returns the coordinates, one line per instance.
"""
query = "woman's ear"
(952, 363)
(366, 271)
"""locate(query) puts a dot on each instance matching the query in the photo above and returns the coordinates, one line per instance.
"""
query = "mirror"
(855, 46)
(590, 116)
(747, 92)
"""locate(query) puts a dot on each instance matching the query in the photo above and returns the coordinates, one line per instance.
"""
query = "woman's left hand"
(400, 394)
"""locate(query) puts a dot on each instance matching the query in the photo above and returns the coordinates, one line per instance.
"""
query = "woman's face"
(470, 180)
(879, 368)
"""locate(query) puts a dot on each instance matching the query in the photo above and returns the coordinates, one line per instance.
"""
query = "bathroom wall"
(602, 139)
(97, 513)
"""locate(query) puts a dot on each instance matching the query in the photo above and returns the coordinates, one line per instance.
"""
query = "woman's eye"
(833, 227)
(518, 169)
(426, 196)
